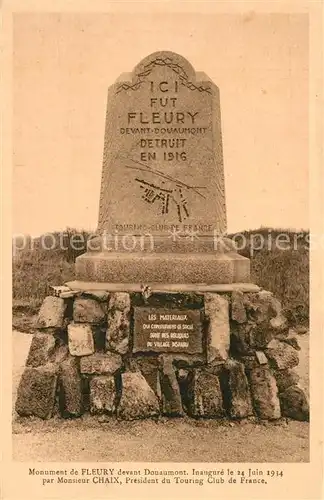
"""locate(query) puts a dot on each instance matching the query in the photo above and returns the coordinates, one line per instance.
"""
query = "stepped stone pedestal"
(171, 266)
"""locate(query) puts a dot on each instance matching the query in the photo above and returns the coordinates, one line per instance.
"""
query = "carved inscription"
(163, 167)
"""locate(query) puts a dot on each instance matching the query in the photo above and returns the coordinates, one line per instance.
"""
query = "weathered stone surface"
(41, 348)
(51, 313)
(70, 384)
(182, 374)
(218, 335)
(60, 353)
(101, 363)
(171, 397)
(102, 395)
(117, 335)
(281, 355)
(120, 301)
(239, 397)
(249, 337)
(68, 295)
(216, 368)
(264, 393)
(249, 362)
(261, 357)
(86, 310)
(204, 395)
(285, 379)
(293, 341)
(279, 324)
(57, 290)
(100, 295)
(260, 306)
(195, 268)
(294, 403)
(149, 367)
(188, 360)
(36, 391)
(263, 308)
(238, 307)
(138, 399)
(80, 339)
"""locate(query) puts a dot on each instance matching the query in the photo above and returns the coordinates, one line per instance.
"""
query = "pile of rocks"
(81, 360)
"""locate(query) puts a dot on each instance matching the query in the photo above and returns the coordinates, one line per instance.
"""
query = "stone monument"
(162, 318)
(162, 213)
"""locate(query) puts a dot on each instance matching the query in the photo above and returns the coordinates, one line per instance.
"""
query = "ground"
(163, 440)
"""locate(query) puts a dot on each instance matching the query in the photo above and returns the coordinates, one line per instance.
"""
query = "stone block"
(51, 314)
(249, 362)
(86, 310)
(41, 348)
(36, 391)
(250, 337)
(204, 396)
(151, 267)
(261, 357)
(100, 295)
(285, 379)
(118, 330)
(138, 399)
(281, 355)
(293, 341)
(238, 307)
(239, 397)
(102, 395)
(117, 334)
(264, 393)
(171, 397)
(149, 367)
(218, 335)
(60, 354)
(80, 338)
(188, 360)
(120, 301)
(70, 385)
(68, 295)
(216, 368)
(294, 403)
(264, 309)
(260, 306)
(101, 364)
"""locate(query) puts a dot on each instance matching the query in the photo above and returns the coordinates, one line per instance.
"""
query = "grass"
(285, 272)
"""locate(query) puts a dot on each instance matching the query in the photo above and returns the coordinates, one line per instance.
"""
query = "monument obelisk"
(162, 215)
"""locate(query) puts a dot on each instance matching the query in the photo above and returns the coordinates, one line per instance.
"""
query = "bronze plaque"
(167, 330)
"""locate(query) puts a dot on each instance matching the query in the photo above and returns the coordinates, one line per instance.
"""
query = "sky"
(64, 63)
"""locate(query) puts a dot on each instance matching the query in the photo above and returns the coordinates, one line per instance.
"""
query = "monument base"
(131, 356)
(174, 268)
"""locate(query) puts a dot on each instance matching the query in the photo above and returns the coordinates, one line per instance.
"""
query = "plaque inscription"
(167, 330)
